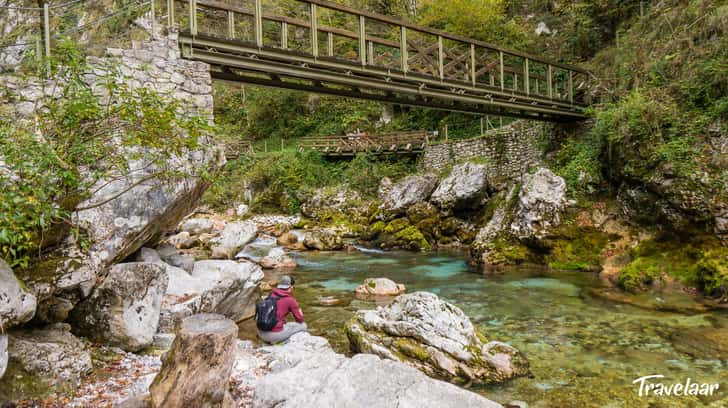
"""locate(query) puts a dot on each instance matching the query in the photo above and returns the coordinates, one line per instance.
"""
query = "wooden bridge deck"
(388, 143)
(325, 47)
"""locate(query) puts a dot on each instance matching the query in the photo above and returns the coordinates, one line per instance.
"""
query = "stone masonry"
(155, 65)
(509, 150)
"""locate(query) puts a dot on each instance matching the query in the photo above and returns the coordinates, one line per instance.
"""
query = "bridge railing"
(398, 142)
(333, 32)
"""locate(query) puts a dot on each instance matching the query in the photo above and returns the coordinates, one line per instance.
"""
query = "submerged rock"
(306, 372)
(43, 360)
(380, 287)
(228, 288)
(16, 305)
(465, 187)
(704, 342)
(124, 310)
(408, 191)
(233, 238)
(540, 202)
(435, 337)
(198, 365)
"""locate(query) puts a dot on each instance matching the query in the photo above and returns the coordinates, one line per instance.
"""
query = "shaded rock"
(277, 258)
(148, 255)
(380, 287)
(176, 258)
(323, 240)
(385, 186)
(233, 238)
(435, 337)
(44, 359)
(3, 354)
(465, 187)
(16, 305)
(228, 288)
(198, 365)
(124, 310)
(196, 226)
(306, 372)
(540, 202)
(408, 191)
(183, 240)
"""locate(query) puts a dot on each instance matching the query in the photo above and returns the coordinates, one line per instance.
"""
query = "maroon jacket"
(285, 304)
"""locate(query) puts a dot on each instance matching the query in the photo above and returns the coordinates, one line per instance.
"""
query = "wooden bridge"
(329, 48)
(350, 145)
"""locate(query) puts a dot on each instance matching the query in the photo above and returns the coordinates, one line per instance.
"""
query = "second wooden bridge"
(387, 143)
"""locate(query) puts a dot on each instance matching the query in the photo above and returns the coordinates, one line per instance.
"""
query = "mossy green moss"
(396, 225)
(412, 238)
(712, 272)
(575, 248)
(411, 349)
(701, 262)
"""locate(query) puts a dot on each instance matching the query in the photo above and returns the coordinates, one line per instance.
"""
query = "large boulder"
(228, 288)
(408, 191)
(323, 240)
(233, 238)
(124, 310)
(44, 360)
(306, 372)
(466, 187)
(16, 305)
(435, 337)
(196, 370)
(540, 202)
(373, 287)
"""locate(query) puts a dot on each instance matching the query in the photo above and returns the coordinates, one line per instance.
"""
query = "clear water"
(584, 351)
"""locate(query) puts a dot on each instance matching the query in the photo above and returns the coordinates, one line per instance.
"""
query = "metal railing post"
(472, 64)
(284, 35)
(314, 30)
(403, 47)
(549, 81)
(440, 58)
(571, 87)
(170, 13)
(231, 24)
(258, 24)
(502, 80)
(526, 77)
(47, 31)
(193, 17)
(362, 40)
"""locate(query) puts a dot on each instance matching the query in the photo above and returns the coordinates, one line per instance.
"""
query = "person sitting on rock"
(285, 305)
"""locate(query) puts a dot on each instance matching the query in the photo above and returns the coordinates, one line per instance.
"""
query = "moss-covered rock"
(435, 337)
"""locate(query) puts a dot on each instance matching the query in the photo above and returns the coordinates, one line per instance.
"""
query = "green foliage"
(52, 165)
(483, 20)
(712, 273)
(281, 179)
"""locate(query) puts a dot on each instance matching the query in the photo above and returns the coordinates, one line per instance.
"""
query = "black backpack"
(266, 313)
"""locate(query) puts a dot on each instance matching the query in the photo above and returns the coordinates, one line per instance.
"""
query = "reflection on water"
(584, 352)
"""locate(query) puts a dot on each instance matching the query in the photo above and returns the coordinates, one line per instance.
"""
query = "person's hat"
(285, 282)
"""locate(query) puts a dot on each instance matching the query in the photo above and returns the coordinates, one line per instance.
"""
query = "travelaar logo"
(677, 389)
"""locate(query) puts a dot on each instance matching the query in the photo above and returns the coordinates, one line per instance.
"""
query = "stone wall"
(510, 150)
(154, 64)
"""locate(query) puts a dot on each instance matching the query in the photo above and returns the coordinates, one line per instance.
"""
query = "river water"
(584, 351)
